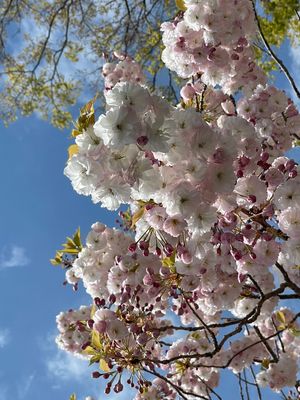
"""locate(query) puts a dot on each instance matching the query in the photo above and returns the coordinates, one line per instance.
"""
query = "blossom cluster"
(125, 70)
(215, 218)
(213, 38)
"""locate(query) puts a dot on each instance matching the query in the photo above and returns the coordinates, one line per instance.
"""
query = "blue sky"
(38, 209)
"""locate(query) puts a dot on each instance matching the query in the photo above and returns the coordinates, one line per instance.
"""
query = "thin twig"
(246, 384)
(256, 384)
(240, 386)
(266, 344)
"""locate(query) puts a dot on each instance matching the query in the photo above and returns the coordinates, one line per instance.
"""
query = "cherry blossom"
(214, 221)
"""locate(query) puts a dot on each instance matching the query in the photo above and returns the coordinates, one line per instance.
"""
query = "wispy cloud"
(25, 386)
(68, 371)
(4, 339)
(15, 256)
(64, 366)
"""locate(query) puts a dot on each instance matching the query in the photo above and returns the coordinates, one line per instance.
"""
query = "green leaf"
(96, 340)
(265, 363)
(94, 359)
(281, 317)
(70, 251)
(103, 365)
(73, 397)
(90, 351)
(169, 261)
(93, 310)
(181, 5)
(75, 132)
(294, 331)
(69, 244)
(137, 216)
(72, 246)
(72, 150)
(77, 239)
(57, 260)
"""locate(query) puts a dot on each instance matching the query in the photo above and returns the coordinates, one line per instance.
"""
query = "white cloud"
(4, 339)
(14, 257)
(64, 366)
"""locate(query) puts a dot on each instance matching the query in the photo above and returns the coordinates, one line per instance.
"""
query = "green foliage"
(72, 247)
(86, 118)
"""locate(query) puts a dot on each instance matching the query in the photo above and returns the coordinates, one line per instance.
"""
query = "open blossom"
(83, 172)
(289, 222)
(128, 94)
(251, 190)
(105, 321)
(287, 195)
(118, 127)
(174, 225)
(156, 217)
(280, 374)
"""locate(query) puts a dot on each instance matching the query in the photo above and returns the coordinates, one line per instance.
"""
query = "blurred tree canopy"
(52, 50)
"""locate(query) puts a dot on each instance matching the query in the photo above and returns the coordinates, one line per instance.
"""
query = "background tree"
(49, 48)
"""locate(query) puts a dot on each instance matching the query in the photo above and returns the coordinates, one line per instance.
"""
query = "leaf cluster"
(71, 247)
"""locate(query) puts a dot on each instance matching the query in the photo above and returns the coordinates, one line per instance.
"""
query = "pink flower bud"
(158, 251)
(252, 198)
(112, 298)
(169, 249)
(264, 156)
(143, 245)
(90, 323)
(242, 41)
(234, 57)
(142, 140)
(289, 165)
(132, 247)
(118, 387)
